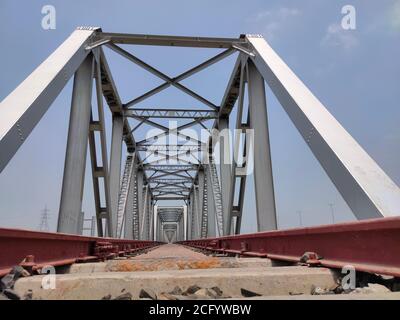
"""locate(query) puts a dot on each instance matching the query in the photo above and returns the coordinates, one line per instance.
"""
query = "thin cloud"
(395, 16)
(273, 22)
(336, 36)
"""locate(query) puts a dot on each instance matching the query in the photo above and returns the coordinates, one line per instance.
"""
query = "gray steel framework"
(128, 196)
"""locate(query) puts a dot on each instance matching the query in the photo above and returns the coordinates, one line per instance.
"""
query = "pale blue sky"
(354, 73)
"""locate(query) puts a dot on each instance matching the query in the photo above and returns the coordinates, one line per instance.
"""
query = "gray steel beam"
(160, 231)
(199, 200)
(113, 99)
(175, 131)
(96, 173)
(170, 217)
(175, 41)
(171, 184)
(365, 187)
(124, 191)
(225, 169)
(170, 175)
(115, 164)
(149, 215)
(170, 188)
(178, 232)
(239, 170)
(185, 223)
(211, 230)
(23, 108)
(171, 113)
(144, 229)
(195, 232)
(154, 71)
(170, 191)
(229, 99)
(263, 180)
(129, 209)
(166, 193)
(173, 181)
(100, 171)
(190, 215)
(170, 167)
(151, 123)
(75, 157)
(140, 181)
(155, 148)
(170, 198)
(177, 173)
(232, 90)
(156, 222)
(159, 228)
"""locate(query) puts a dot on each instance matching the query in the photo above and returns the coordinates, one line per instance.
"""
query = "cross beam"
(168, 80)
(170, 113)
(175, 41)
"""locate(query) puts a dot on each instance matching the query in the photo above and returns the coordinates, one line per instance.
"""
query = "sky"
(354, 73)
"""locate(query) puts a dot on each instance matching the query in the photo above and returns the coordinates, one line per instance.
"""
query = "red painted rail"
(370, 245)
(34, 249)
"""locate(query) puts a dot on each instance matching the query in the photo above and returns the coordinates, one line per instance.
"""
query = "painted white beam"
(225, 169)
(23, 108)
(263, 181)
(115, 165)
(366, 188)
(75, 156)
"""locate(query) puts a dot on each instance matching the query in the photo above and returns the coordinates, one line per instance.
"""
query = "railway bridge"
(174, 185)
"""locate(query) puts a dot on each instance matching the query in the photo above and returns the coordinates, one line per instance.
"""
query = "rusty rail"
(34, 250)
(370, 245)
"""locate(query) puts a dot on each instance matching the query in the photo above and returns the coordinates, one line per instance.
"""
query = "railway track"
(355, 260)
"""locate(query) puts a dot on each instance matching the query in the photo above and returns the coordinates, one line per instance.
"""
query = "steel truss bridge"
(128, 192)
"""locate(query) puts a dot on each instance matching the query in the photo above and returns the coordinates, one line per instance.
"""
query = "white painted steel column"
(225, 169)
(140, 201)
(185, 222)
(263, 180)
(128, 226)
(75, 158)
(155, 223)
(199, 202)
(115, 165)
(196, 214)
(190, 214)
(211, 207)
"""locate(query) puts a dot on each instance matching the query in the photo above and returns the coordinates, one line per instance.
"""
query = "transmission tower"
(332, 212)
(44, 220)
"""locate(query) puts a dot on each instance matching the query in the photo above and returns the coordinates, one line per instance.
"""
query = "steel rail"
(369, 246)
(34, 250)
